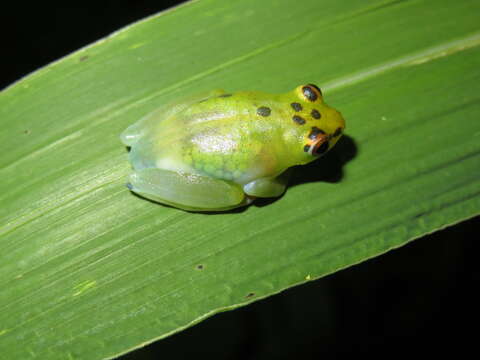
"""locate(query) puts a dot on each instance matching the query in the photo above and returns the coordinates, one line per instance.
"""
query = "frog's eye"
(317, 148)
(319, 144)
(320, 148)
(311, 92)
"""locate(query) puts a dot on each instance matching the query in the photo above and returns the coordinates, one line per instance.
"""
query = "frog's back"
(223, 136)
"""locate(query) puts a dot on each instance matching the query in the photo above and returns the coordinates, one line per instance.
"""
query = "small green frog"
(221, 151)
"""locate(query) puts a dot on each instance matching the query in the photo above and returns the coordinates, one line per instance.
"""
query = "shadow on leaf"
(328, 168)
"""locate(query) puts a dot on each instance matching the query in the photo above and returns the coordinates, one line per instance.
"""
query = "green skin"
(220, 151)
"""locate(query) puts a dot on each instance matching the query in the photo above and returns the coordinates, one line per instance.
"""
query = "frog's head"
(318, 126)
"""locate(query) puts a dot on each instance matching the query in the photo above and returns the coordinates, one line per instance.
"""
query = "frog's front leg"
(187, 191)
(268, 187)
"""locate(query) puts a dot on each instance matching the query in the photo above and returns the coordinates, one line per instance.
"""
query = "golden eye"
(317, 143)
(311, 92)
(320, 148)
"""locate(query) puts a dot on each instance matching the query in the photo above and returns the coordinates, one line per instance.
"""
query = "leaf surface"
(89, 271)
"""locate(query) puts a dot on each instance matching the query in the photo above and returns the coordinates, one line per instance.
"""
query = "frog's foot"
(187, 191)
(128, 137)
(268, 187)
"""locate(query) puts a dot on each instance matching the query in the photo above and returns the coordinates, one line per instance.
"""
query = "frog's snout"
(340, 120)
(337, 126)
(337, 121)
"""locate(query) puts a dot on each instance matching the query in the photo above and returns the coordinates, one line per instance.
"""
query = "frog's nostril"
(337, 132)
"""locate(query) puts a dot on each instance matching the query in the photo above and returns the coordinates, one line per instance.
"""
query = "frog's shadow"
(326, 169)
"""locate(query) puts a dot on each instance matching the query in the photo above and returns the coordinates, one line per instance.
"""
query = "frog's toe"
(130, 136)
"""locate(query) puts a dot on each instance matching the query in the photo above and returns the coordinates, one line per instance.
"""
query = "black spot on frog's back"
(315, 114)
(296, 106)
(264, 111)
(298, 120)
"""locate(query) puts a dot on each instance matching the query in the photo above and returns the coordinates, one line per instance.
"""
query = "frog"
(222, 150)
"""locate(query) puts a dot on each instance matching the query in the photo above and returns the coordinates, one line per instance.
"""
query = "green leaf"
(89, 271)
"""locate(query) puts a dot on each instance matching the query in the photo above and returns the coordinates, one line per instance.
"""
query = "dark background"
(420, 300)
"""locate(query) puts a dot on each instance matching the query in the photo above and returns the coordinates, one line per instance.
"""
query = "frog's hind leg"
(131, 135)
(134, 132)
(187, 191)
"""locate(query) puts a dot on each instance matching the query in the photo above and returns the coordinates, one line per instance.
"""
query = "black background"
(419, 300)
